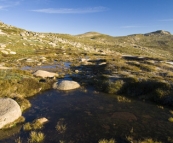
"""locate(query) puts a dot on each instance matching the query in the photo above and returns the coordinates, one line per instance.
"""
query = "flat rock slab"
(66, 85)
(44, 74)
(9, 111)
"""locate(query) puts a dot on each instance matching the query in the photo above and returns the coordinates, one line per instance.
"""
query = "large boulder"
(9, 111)
(66, 85)
(44, 74)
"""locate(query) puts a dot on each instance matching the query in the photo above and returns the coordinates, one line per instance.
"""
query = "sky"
(111, 17)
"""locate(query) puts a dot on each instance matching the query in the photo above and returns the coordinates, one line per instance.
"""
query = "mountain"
(158, 32)
(89, 34)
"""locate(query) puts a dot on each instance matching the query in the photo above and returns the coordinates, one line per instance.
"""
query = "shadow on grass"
(96, 75)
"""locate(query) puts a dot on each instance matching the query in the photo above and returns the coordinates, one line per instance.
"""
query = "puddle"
(90, 116)
(54, 67)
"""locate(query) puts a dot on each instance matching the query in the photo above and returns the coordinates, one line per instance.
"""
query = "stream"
(90, 116)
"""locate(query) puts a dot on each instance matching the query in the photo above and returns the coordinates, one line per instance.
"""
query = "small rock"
(43, 58)
(103, 63)
(4, 52)
(76, 71)
(42, 120)
(39, 64)
(44, 74)
(66, 85)
(29, 60)
(84, 60)
(12, 53)
(2, 45)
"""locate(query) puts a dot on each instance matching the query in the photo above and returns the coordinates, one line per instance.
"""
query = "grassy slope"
(158, 46)
(33, 46)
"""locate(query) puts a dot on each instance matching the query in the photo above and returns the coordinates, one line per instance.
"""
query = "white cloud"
(71, 10)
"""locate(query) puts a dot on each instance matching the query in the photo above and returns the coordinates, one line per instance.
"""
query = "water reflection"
(90, 116)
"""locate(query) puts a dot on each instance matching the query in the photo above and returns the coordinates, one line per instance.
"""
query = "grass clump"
(170, 139)
(122, 99)
(23, 103)
(148, 68)
(107, 141)
(103, 83)
(18, 140)
(170, 119)
(171, 111)
(36, 137)
(61, 127)
(149, 141)
(35, 125)
(114, 87)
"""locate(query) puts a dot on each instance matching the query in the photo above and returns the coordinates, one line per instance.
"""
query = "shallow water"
(52, 67)
(91, 116)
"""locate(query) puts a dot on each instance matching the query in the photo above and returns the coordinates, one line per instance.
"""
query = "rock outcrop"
(66, 85)
(45, 74)
(158, 32)
(9, 111)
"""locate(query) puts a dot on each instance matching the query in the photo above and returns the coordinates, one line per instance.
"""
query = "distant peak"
(158, 32)
(89, 34)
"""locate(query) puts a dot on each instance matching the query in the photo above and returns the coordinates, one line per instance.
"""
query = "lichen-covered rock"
(66, 85)
(9, 111)
(44, 74)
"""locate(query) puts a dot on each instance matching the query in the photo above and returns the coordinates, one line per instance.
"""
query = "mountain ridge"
(154, 44)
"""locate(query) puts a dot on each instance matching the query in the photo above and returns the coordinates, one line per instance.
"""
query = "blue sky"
(112, 17)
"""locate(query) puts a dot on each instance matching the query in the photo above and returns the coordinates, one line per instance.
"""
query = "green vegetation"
(170, 119)
(36, 137)
(149, 141)
(61, 127)
(13, 124)
(23, 103)
(17, 83)
(19, 140)
(107, 141)
(35, 125)
(135, 66)
(157, 91)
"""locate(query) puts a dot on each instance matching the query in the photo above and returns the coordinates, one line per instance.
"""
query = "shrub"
(35, 125)
(114, 87)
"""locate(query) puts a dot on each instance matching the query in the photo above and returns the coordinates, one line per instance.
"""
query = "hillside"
(130, 68)
(141, 56)
(27, 43)
(155, 44)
